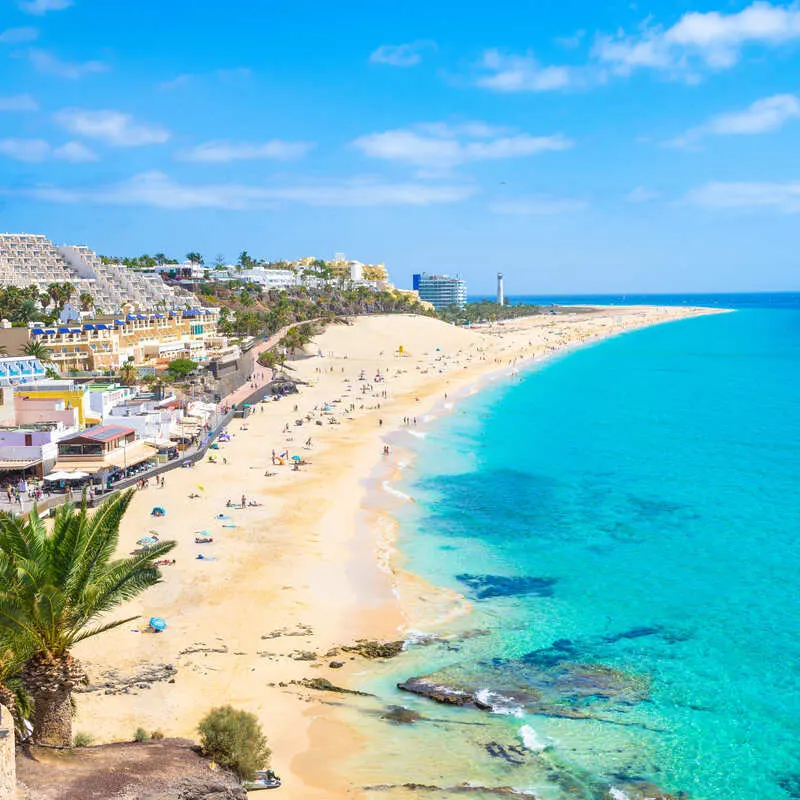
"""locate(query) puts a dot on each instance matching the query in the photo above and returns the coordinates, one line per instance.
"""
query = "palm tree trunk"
(49, 681)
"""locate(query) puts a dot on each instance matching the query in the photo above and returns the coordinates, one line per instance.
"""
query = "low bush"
(82, 739)
(141, 735)
(157, 735)
(234, 739)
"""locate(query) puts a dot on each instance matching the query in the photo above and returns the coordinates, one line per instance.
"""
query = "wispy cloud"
(763, 116)
(225, 74)
(536, 205)
(75, 152)
(507, 72)
(34, 151)
(158, 190)
(18, 102)
(225, 152)
(114, 128)
(41, 7)
(401, 55)
(49, 64)
(443, 146)
(781, 197)
(571, 42)
(699, 41)
(29, 150)
(641, 194)
(19, 35)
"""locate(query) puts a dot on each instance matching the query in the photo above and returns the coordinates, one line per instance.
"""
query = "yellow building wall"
(74, 398)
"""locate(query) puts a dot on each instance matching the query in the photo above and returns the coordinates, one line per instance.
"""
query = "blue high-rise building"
(440, 290)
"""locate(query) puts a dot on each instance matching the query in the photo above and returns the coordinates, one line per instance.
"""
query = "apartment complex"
(106, 343)
(440, 291)
(33, 260)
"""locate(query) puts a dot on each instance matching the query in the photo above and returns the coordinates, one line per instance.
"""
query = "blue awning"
(141, 316)
(120, 322)
(88, 327)
(101, 326)
(37, 331)
(50, 331)
(63, 330)
(75, 330)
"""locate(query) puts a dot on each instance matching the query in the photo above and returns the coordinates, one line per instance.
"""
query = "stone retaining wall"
(8, 770)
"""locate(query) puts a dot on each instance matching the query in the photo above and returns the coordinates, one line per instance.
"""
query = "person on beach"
(244, 502)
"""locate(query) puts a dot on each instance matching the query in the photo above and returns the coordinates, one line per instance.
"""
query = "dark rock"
(336, 664)
(401, 715)
(369, 648)
(113, 683)
(791, 785)
(560, 689)
(223, 787)
(324, 685)
(303, 655)
(486, 586)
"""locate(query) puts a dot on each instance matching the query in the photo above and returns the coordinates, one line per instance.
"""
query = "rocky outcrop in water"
(486, 586)
(563, 689)
(460, 789)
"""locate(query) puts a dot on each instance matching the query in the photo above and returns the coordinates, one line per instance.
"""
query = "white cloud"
(641, 194)
(38, 150)
(763, 116)
(41, 7)
(401, 55)
(782, 197)
(19, 35)
(227, 74)
(18, 102)
(224, 152)
(514, 73)
(536, 205)
(48, 64)
(75, 152)
(700, 41)
(158, 190)
(28, 150)
(112, 127)
(571, 42)
(442, 146)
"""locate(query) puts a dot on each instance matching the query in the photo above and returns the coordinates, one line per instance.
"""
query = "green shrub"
(141, 735)
(234, 739)
(82, 739)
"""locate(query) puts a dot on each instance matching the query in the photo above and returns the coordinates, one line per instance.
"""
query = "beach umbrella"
(296, 458)
(158, 624)
(201, 488)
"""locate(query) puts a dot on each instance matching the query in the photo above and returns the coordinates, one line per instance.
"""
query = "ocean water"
(625, 522)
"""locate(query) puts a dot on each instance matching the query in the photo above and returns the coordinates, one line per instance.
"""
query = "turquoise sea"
(625, 521)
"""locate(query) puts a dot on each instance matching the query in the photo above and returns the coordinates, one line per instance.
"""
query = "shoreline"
(316, 544)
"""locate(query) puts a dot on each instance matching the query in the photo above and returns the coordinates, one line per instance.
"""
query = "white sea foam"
(617, 794)
(448, 405)
(531, 739)
(387, 487)
(498, 703)
(418, 434)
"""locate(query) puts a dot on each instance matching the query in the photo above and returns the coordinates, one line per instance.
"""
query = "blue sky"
(576, 146)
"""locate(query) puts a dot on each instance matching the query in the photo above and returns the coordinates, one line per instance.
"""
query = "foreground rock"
(170, 769)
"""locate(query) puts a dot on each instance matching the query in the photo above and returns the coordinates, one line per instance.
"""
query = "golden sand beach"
(308, 568)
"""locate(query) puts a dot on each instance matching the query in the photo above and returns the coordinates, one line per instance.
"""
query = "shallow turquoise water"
(654, 480)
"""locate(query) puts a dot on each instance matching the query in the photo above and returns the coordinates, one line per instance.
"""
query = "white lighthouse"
(500, 298)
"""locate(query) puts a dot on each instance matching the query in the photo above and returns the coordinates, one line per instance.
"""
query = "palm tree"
(194, 258)
(86, 300)
(54, 590)
(36, 349)
(128, 373)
